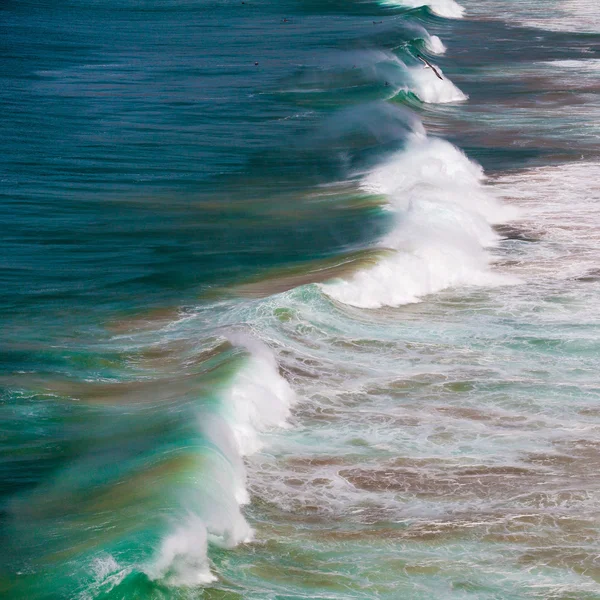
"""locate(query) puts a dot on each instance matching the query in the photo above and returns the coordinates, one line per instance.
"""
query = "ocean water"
(286, 315)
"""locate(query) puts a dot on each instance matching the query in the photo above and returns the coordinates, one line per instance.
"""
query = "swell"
(443, 236)
(443, 227)
(358, 76)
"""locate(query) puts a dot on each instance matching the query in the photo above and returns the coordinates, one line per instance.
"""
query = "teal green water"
(270, 331)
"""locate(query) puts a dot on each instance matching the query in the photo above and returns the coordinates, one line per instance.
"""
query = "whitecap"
(433, 90)
(443, 228)
(259, 399)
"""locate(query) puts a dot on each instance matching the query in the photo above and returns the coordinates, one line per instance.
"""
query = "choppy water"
(287, 316)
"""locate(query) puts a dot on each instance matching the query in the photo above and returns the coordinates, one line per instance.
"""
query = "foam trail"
(258, 400)
(107, 573)
(444, 217)
(444, 8)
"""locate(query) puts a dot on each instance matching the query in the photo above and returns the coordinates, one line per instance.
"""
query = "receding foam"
(435, 45)
(562, 202)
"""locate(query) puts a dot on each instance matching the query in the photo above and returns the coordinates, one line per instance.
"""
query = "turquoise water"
(287, 316)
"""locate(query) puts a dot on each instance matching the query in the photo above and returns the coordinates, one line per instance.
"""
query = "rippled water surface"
(299, 300)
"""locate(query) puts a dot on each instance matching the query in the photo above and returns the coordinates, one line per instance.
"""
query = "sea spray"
(182, 558)
(444, 216)
(435, 45)
(260, 399)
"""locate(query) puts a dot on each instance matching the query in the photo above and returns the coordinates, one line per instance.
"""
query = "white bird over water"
(428, 65)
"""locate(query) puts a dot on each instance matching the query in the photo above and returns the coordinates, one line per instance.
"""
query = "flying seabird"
(428, 65)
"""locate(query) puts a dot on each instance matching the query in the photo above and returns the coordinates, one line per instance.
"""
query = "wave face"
(269, 330)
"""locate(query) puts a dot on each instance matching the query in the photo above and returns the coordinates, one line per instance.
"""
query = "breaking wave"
(259, 399)
(431, 89)
(444, 8)
(444, 216)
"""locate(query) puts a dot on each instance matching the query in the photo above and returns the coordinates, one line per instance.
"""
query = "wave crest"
(443, 8)
(432, 90)
(444, 216)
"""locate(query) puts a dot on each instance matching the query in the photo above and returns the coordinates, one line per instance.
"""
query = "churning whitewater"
(443, 236)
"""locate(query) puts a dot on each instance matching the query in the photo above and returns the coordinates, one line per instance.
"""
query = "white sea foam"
(107, 573)
(552, 15)
(571, 15)
(258, 400)
(432, 90)
(444, 8)
(182, 559)
(444, 215)
(589, 65)
(435, 45)
(561, 203)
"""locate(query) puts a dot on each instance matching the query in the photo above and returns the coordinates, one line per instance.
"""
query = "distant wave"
(422, 81)
(443, 8)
